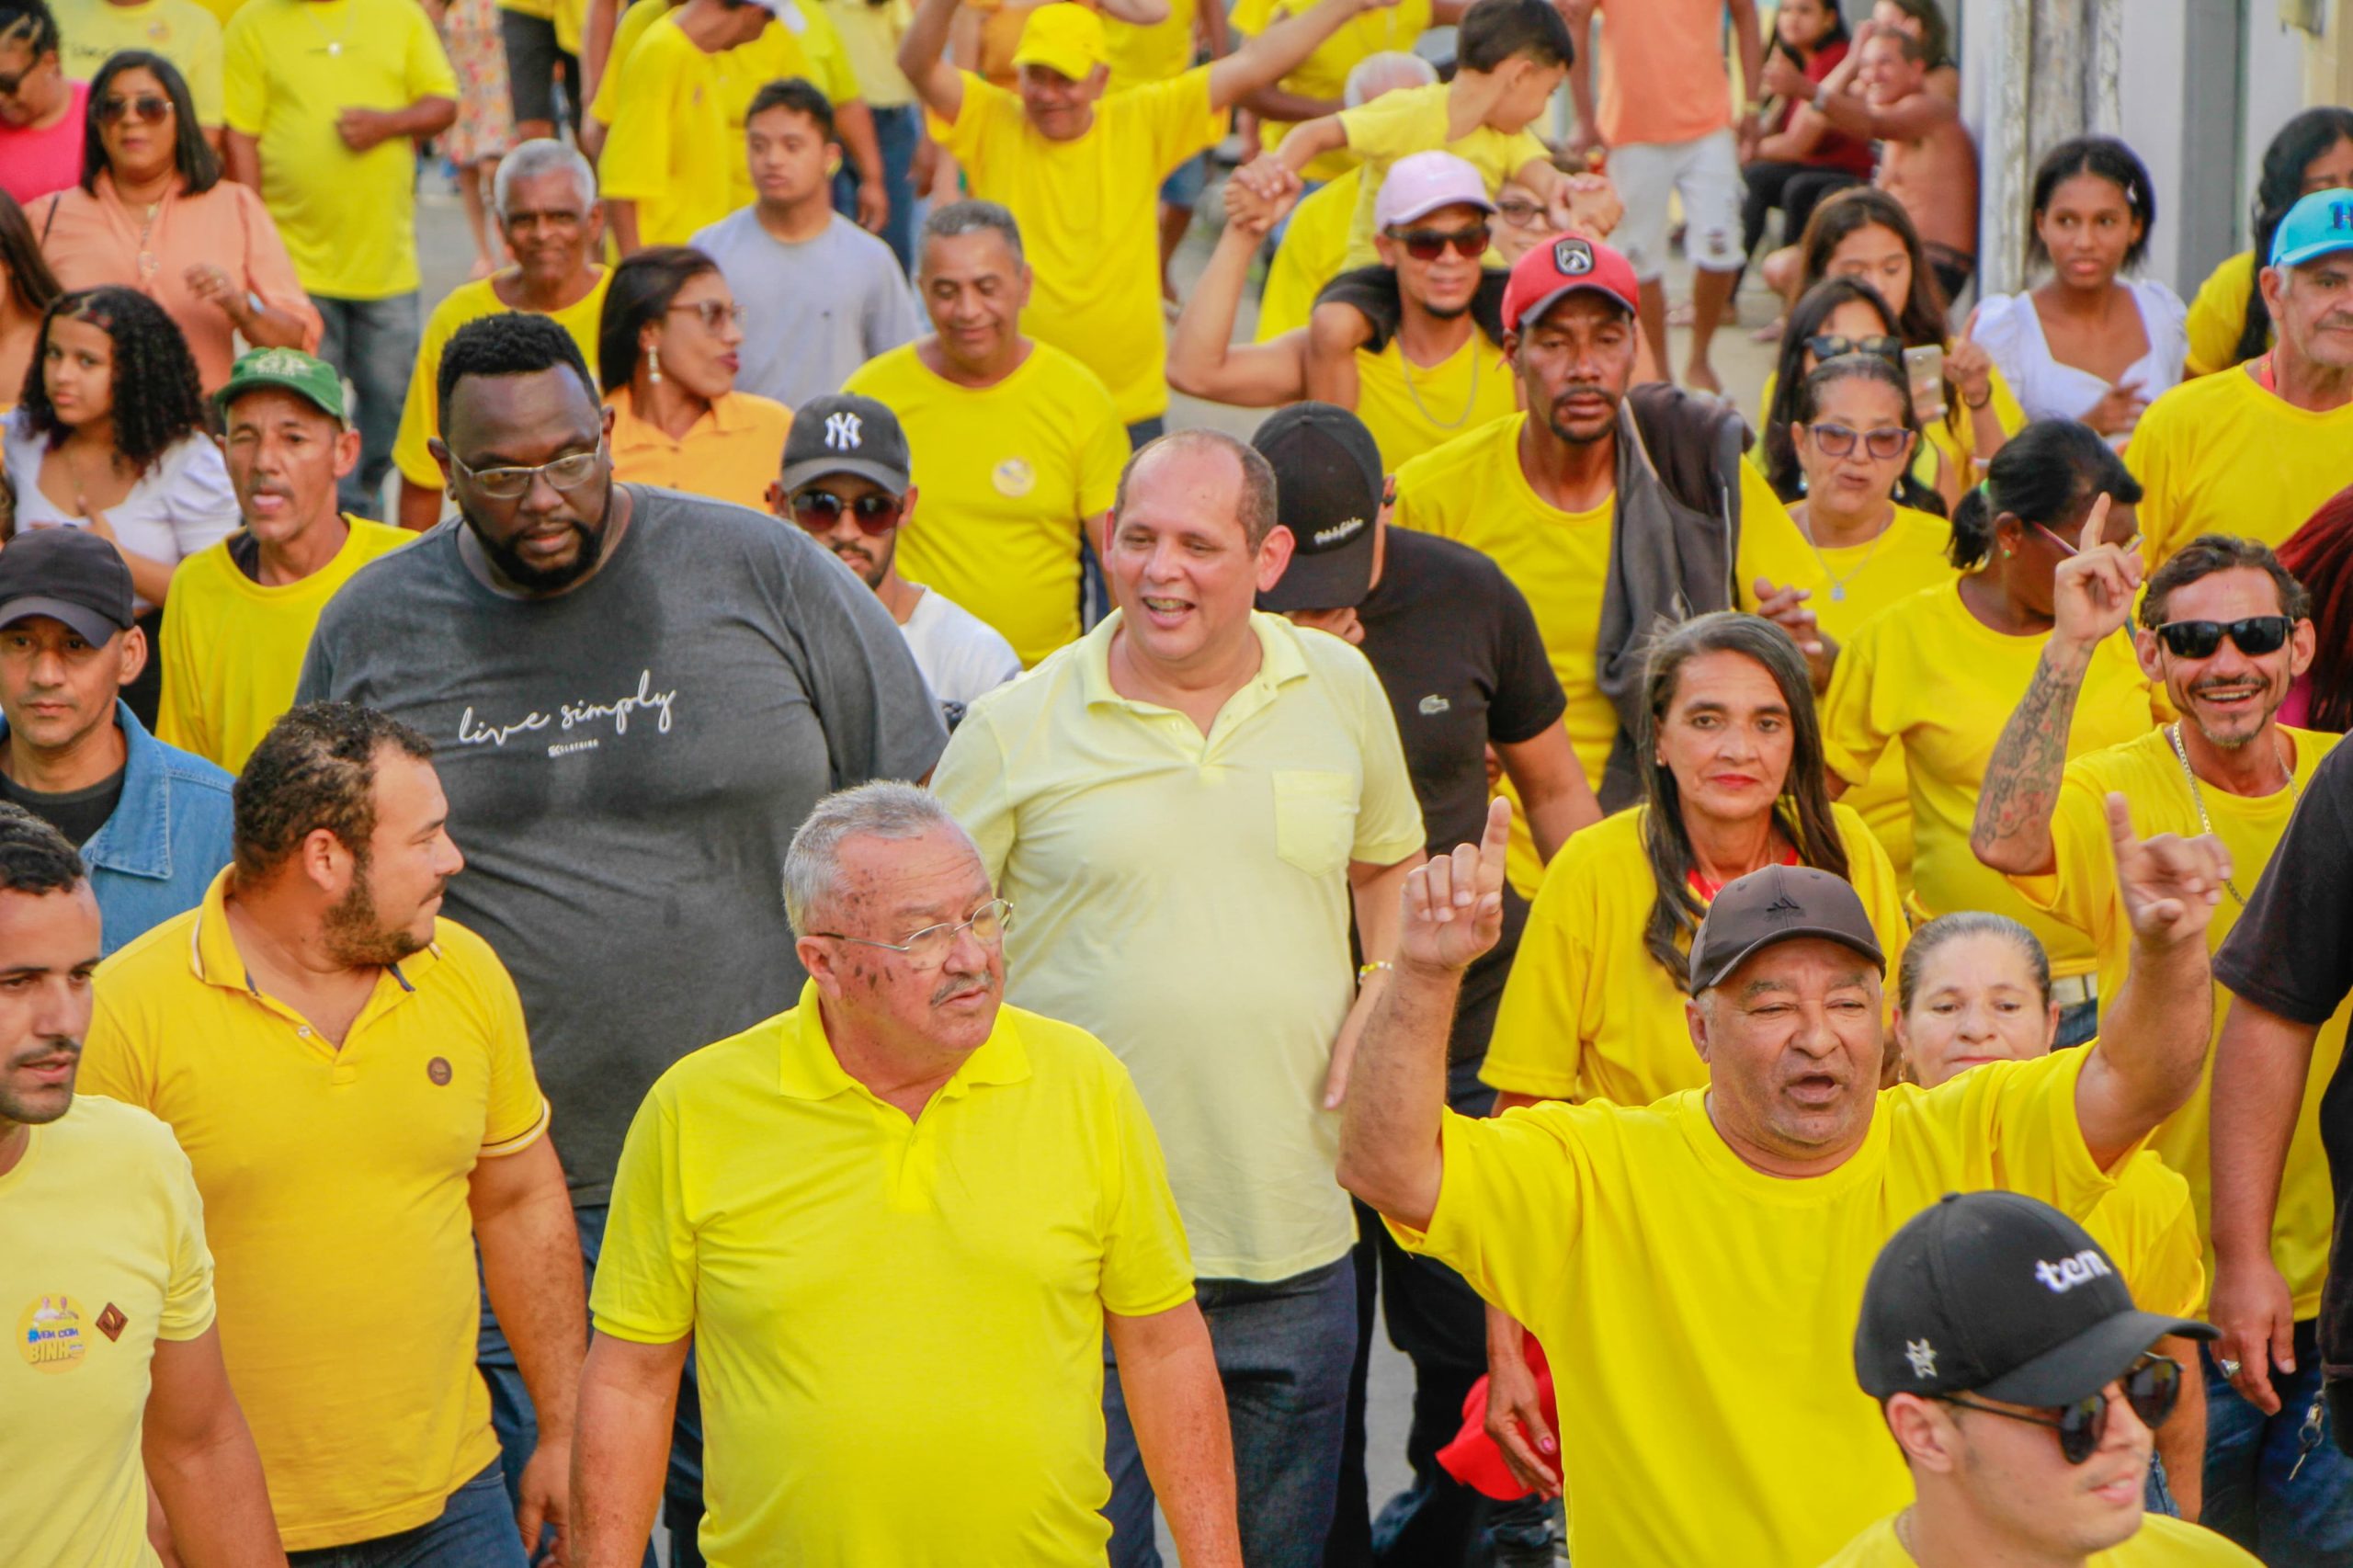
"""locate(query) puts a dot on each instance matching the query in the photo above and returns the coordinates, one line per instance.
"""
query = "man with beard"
(2224, 626)
(350, 1077)
(847, 480)
(636, 697)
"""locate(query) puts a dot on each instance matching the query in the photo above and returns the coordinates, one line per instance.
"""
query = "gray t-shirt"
(824, 306)
(626, 764)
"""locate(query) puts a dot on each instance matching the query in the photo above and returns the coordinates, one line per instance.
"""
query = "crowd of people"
(1797, 971)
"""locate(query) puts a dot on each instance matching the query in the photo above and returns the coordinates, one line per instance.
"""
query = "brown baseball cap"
(1777, 904)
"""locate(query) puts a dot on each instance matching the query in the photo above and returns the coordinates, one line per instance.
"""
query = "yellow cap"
(1064, 37)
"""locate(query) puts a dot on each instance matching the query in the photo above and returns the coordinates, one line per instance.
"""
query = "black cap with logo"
(1777, 904)
(68, 574)
(1328, 482)
(2002, 1296)
(846, 434)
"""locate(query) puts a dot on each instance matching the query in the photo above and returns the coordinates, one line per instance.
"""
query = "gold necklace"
(1405, 369)
(1838, 583)
(2197, 797)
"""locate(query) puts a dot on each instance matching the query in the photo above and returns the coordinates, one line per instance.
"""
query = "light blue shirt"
(822, 306)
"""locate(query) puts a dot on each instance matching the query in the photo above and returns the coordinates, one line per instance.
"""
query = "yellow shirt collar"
(212, 948)
(1280, 662)
(807, 1068)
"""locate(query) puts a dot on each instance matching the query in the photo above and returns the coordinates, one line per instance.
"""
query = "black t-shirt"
(76, 813)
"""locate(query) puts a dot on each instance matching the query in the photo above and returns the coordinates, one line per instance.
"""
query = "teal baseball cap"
(288, 369)
(2321, 224)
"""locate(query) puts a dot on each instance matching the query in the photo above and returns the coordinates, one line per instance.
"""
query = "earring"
(653, 371)
(2006, 548)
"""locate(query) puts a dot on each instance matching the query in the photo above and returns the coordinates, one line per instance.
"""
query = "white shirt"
(181, 506)
(2010, 330)
(960, 655)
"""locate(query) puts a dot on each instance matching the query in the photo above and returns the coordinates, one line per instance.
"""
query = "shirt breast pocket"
(1315, 819)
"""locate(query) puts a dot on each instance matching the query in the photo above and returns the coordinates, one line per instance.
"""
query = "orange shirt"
(1662, 73)
(733, 452)
(96, 239)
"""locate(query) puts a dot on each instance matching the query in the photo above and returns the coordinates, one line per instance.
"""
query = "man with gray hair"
(546, 204)
(900, 1325)
(1183, 803)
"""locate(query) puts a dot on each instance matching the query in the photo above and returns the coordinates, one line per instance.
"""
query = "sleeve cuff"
(498, 1147)
(636, 1333)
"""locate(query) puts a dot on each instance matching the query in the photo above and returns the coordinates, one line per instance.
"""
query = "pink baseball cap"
(1421, 183)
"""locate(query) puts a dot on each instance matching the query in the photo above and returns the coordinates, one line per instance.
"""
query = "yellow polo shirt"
(2218, 315)
(182, 32)
(102, 1254)
(1411, 409)
(335, 1185)
(1413, 119)
(1680, 1294)
(1314, 244)
(733, 452)
(1185, 898)
(1089, 216)
(1006, 475)
(1324, 73)
(2161, 1542)
(233, 648)
(1588, 1014)
(965, 1258)
(420, 413)
(2081, 894)
(2221, 455)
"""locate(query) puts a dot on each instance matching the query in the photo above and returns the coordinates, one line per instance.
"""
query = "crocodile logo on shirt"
(49, 1336)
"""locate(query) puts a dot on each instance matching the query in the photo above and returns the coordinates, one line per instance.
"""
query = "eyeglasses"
(1825, 345)
(149, 108)
(928, 949)
(820, 510)
(715, 313)
(1885, 443)
(1518, 211)
(2152, 1388)
(1429, 244)
(2257, 634)
(514, 483)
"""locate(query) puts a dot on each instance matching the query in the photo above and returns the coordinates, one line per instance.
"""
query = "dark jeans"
(373, 343)
(476, 1529)
(2303, 1521)
(518, 1431)
(897, 130)
(1283, 1351)
(2078, 1024)
(1795, 189)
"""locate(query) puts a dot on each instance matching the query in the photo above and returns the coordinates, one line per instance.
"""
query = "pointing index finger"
(2096, 523)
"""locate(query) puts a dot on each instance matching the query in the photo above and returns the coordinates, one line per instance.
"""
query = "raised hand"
(2170, 885)
(2091, 593)
(1782, 79)
(1971, 367)
(1588, 205)
(1454, 905)
(1255, 213)
(1786, 608)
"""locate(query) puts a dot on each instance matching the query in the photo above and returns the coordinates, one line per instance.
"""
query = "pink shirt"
(34, 162)
(1662, 73)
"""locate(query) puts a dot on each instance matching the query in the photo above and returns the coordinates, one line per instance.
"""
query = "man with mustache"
(103, 1275)
(350, 1076)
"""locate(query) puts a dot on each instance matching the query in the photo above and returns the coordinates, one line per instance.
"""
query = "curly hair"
(511, 343)
(316, 768)
(158, 402)
(34, 857)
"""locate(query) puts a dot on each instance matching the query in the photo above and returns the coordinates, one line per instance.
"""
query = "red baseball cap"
(1562, 266)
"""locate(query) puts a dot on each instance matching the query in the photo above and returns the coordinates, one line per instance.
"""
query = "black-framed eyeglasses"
(713, 313)
(928, 949)
(2258, 635)
(1825, 345)
(1885, 443)
(514, 483)
(148, 108)
(820, 510)
(2152, 1388)
(1429, 244)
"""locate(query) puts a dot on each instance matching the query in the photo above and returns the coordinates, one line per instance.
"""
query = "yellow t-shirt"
(1089, 216)
(1007, 476)
(1030, 1195)
(233, 648)
(2150, 1227)
(1951, 442)
(1411, 409)
(1412, 119)
(636, 17)
(1850, 585)
(420, 413)
(224, 11)
(2221, 455)
(2082, 895)
(1310, 256)
(570, 19)
(2218, 315)
(2163, 1542)
(289, 68)
(182, 32)
(1117, 828)
(99, 1215)
(870, 35)
(365, 1286)
(1324, 73)
(1160, 52)
(1588, 1014)
(1926, 676)
(1678, 1293)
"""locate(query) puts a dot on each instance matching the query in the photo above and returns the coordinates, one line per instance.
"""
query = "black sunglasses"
(151, 108)
(1429, 244)
(819, 510)
(2257, 634)
(1826, 346)
(2152, 1388)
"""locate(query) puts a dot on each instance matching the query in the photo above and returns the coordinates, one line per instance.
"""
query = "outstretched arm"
(1203, 360)
(1277, 52)
(923, 59)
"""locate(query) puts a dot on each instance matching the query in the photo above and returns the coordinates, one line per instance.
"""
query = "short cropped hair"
(508, 344)
(2210, 553)
(799, 95)
(1255, 508)
(34, 857)
(316, 768)
(884, 808)
(542, 155)
(972, 217)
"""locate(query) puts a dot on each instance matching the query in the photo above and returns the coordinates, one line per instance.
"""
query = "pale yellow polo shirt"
(1185, 899)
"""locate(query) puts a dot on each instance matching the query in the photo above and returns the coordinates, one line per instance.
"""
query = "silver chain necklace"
(2198, 796)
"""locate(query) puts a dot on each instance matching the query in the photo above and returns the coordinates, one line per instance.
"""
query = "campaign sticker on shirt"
(49, 1336)
(1014, 477)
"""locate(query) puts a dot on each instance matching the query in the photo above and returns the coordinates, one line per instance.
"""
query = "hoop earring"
(653, 371)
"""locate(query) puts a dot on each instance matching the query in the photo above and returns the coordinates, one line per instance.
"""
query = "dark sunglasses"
(1886, 442)
(2152, 1388)
(2257, 634)
(149, 108)
(1429, 244)
(820, 510)
(1825, 345)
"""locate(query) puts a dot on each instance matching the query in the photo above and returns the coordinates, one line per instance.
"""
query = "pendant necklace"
(2197, 797)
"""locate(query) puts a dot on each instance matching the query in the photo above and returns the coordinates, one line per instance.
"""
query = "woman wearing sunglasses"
(1838, 316)
(666, 356)
(1974, 988)
(153, 213)
(1935, 675)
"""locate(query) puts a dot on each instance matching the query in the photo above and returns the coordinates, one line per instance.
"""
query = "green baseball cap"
(303, 374)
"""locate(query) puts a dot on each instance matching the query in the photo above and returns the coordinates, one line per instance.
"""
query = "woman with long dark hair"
(1937, 675)
(1733, 781)
(1838, 316)
(27, 286)
(2229, 323)
(153, 213)
(666, 353)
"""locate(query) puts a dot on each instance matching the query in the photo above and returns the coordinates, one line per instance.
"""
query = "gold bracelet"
(1366, 971)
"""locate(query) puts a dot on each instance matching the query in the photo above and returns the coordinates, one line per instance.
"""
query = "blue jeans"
(1283, 1353)
(897, 130)
(518, 1430)
(2078, 1023)
(1185, 183)
(476, 1529)
(2306, 1522)
(373, 343)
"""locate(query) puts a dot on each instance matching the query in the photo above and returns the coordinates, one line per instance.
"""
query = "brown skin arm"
(530, 1262)
(628, 1396)
(1552, 789)
(923, 59)
(420, 506)
(2181, 1441)
(243, 154)
(2260, 1064)
(1335, 333)
(1168, 1377)
(201, 1460)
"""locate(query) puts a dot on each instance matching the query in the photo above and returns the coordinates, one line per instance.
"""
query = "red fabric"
(1476, 1460)
(1836, 150)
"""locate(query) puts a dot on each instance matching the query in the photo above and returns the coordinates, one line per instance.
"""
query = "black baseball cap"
(1777, 904)
(1328, 482)
(67, 574)
(2000, 1295)
(846, 433)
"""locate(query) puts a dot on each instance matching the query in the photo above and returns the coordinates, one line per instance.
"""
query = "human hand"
(364, 127)
(1786, 608)
(873, 206)
(1454, 905)
(1251, 210)
(1970, 368)
(1266, 177)
(2170, 885)
(545, 1487)
(1583, 142)
(2091, 593)
(2117, 410)
(2256, 1313)
(1587, 205)
(214, 285)
(1514, 1420)
(1782, 79)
